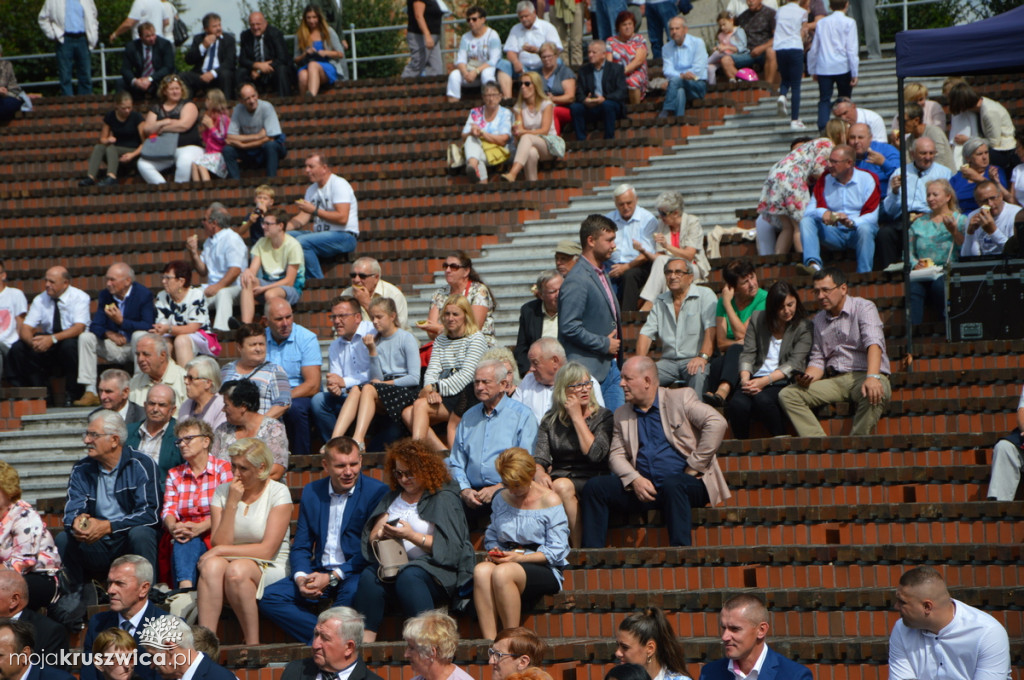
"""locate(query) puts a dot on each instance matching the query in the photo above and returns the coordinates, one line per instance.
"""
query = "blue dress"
(964, 189)
(327, 66)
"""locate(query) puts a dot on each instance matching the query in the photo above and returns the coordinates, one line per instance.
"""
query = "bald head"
(160, 403)
(859, 137)
(13, 592)
(119, 279)
(922, 151)
(279, 318)
(640, 382)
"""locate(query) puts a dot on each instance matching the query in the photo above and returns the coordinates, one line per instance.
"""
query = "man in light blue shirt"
(297, 351)
(630, 263)
(73, 25)
(685, 65)
(495, 424)
(348, 363)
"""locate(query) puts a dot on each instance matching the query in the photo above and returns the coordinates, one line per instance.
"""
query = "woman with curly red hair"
(424, 512)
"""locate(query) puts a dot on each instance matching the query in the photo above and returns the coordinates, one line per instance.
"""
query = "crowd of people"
(547, 441)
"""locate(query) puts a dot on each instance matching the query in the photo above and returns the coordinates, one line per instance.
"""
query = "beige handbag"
(391, 557)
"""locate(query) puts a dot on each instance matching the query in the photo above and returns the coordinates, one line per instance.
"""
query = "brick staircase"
(822, 528)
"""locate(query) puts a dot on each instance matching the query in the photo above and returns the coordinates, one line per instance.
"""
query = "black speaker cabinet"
(985, 300)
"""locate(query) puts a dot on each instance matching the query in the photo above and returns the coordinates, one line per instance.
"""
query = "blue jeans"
(284, 605)
(933, 292)
(814, 232)
(658, 16)
(325, 408)
(606, 11)
(681, 91)
(825, 85)
(296, 426)
(791, 70)
(607, 112)
(611, 390)
(185, 556)
(269, 156)
(415, 590)
(323, 244)
(73, 53)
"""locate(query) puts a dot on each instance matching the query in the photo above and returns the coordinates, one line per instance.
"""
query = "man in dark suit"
(50, 636)
(600, 93)
(537, 314)
(336, 641)
(114, 393)
(589, 327)
(146, 61)
(172, 647)
(128, 585)
(325, 566)
(17, 645)
(154, 436)
(744, 627)
(212, 58)
(122, 311)
(263, 58)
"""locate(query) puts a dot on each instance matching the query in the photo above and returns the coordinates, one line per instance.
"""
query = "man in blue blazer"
(589, 327)
(123, 309)
(172, 652)
(325, 562)
(744, 627)
(17, 643)
(128, 585)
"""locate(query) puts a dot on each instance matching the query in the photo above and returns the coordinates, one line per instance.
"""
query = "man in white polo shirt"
(330, 209)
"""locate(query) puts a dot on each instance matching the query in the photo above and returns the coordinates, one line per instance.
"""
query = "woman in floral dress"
(181, 315)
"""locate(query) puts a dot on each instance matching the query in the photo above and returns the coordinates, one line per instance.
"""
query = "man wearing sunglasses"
(367, 285)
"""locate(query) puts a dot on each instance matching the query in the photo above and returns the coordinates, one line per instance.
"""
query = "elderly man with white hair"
(630, 263)
(172, 647)
(546, 356)
(522, 47)
(124, 312)
(367, 285)
(153, 355)
(113, 504)
(336, 641)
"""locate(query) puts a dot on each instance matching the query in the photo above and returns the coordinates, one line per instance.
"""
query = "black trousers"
(764, 406)
(28, 368)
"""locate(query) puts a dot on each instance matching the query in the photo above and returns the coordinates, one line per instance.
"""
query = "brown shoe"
(88, 399)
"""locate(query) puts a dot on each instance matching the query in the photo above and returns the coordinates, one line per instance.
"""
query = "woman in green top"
(935, 239)
(741, 296)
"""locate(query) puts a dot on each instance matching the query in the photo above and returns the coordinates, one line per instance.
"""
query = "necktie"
(56, 326)
(259, 49)
(126, 626)
(147, 62)
(212, 53)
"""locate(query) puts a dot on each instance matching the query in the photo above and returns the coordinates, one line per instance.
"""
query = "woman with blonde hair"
(26, 545)
(213, 128)
(250, 518)
(534, 129)
(935, 239)
(318, 52)
(527, 544)
(573, 439)
(431, 640)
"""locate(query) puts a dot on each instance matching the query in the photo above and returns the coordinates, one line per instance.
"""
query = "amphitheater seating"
(823, 528)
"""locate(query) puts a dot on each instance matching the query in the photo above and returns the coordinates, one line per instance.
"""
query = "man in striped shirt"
(847, 361)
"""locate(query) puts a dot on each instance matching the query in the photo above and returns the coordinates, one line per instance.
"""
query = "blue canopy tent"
(988, 46)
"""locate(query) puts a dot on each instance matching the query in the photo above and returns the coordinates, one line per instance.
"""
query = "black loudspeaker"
(985, 300)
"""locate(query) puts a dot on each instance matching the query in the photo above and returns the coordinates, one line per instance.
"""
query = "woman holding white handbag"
(935, 241)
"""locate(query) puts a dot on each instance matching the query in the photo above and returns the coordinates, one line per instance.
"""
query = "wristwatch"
(703, 356)
(334, 580)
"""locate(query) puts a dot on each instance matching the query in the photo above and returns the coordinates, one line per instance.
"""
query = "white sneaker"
(797, 125)
(781, 104)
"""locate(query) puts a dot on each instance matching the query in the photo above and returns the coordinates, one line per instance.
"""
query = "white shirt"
(334, 556)
(221, 252)
(207, 66)
(754, 672)
(147, 10)
(336, 190)
(391, 291)
(74, 308)
(193, 668)
(641, 226)
(12, 305)
(917, 193)
(973, 646)
(983, 243)
(538, 34)
(150, 444)
(350, 358)
(875, 122)
(788, 22)
(834, 48)
(537, 397)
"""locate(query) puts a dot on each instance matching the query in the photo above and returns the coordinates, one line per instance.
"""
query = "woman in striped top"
(448, 382)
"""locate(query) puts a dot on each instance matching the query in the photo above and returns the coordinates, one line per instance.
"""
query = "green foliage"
(371, 14)
(994, 7)
(284, 14)
(937, 15)
(497, 8)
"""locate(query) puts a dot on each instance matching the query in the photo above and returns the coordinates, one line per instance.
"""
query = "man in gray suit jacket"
(589, 327)
(336, 641)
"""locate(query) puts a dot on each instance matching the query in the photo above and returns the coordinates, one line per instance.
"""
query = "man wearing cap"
(538, 318)
(566, 253)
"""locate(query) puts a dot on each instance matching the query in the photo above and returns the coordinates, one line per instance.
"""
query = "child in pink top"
(214, 130)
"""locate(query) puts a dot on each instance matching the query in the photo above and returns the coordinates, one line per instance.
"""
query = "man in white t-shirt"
(939, 637)
(13, 307)
(1007, 460)
(330, 209)
(140, 12)
(522, 47)
(991, 225)
(845, 109)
